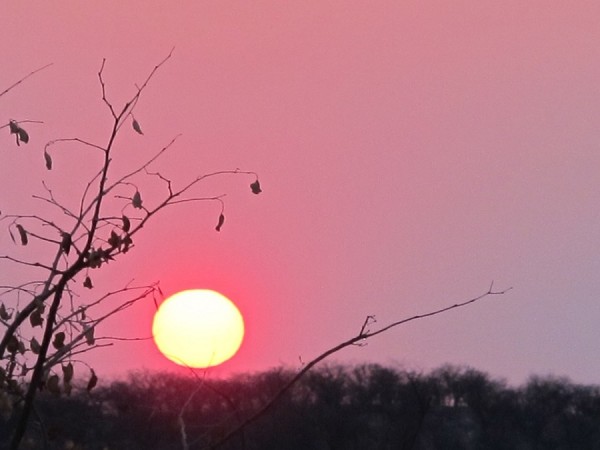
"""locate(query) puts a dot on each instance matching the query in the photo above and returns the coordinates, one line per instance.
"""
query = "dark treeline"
(334, 407)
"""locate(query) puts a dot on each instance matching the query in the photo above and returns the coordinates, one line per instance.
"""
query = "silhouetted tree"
(551, 413)
(45, 323)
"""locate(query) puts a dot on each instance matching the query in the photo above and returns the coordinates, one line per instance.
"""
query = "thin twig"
(23, 79)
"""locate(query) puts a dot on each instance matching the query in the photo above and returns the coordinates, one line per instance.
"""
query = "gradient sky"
(410, 153)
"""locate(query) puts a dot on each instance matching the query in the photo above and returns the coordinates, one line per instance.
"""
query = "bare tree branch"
(363, 335)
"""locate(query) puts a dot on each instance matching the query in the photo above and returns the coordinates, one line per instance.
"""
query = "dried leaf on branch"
(66, 242)
(136, 127)
(48, 160)
(89, 335)
(126, 224)
(87, 283)
(4, 314)
(22, 234)
(136, 201)
(52, 385)
(59, 340)
(92, 382)
(67, 372)
(35, 346)
(220, 223)
(35, 318)
(20, 133)
(256, 187)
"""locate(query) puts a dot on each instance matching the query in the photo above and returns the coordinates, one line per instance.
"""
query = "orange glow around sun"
(198, 328)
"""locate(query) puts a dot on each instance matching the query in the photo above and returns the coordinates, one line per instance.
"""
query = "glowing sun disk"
(198, 328)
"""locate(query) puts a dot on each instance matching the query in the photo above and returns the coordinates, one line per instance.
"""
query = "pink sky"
(410, 153)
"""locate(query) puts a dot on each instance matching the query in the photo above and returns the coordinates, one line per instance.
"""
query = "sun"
(198, 328)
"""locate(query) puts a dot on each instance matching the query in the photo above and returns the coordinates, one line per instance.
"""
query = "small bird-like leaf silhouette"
(89, 335)
(59, 340)
(67, 372)
(13, 345)
(114, 240)
(87, 283)
(52, 385)
(126, 224)
(256, 187)
(4, 314)
(66, 242)
(13, 127)
(35, 346)
(220, 222)
(20, 133)
(93, 381)
(137, 200)
(22, 234)
(35, 318)
(136, 127)
(23, 135)
(48, 160)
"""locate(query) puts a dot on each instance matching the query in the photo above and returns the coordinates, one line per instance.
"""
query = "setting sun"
(198, 328)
